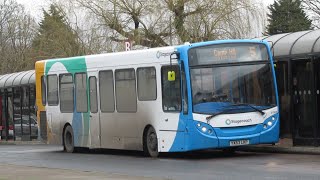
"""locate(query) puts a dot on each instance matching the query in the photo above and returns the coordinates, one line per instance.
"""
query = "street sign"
(127, 45)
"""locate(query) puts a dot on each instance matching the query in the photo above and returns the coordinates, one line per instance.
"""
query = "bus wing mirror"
(171, 76)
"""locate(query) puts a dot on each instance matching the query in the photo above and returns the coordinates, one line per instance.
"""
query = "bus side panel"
(53, 119)
(121, 130)
(168, 141)
(39, 70)
(168, 132)
(78, 120)
(53, 111)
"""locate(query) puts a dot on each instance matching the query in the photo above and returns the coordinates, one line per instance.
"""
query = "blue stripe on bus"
(77, 127)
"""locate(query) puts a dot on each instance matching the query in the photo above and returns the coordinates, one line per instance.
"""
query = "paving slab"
(285, 145)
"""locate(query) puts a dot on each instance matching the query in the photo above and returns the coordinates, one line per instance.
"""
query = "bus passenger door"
(171, 127)
(94, 112)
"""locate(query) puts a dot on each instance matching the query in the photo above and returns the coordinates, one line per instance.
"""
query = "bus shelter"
(17, 112)
(297, 58)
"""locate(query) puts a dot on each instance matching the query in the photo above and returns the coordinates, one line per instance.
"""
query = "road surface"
(36, 160)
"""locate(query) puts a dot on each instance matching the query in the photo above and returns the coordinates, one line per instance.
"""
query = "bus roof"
(124, 57)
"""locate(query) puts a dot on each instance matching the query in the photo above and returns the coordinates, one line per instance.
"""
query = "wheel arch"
(145, 131)
(147, 149)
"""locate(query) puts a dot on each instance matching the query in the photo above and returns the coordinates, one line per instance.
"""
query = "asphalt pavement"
(8, 172)
(112, 164)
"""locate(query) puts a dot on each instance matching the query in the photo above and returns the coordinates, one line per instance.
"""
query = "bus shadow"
(210, 154)
(193, 155)
(115, 152)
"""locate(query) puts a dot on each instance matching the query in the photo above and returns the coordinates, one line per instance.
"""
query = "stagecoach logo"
(163, 54)
(228, 122)
(240, 121)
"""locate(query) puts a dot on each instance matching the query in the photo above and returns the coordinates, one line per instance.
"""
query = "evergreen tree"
(56, 38)
(287, 16)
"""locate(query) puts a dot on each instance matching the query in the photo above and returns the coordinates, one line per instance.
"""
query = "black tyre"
(68, 144)
(150, 143)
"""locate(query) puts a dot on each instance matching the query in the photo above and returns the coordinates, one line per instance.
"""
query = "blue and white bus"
(217, 94)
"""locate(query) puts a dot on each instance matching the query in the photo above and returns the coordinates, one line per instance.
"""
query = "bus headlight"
(269, 123)
(273, 118)
(204, 129)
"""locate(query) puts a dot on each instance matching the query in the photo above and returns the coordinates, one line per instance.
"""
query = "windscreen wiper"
(249, 105)
(234, 105)
(215, 114)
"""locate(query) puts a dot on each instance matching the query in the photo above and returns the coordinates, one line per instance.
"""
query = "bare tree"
(153, 23)
(202, 20)
(136, 20)
(93, 36)
(16, 32)
(312, 7)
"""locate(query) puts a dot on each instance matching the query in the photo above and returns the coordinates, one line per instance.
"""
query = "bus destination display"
(227, 53)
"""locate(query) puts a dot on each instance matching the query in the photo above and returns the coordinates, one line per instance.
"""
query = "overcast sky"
(35, 6)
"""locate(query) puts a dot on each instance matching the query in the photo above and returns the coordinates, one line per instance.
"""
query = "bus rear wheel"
(68, 143)
(150, 143)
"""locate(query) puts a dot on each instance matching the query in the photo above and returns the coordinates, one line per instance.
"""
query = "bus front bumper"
(221, 138)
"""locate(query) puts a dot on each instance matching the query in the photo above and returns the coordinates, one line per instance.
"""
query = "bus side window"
(147, 84)
(43, 91)
(81, 92)
(52, 91)
(106, 89)
(126, 96)
(171, 90)
(66, 93)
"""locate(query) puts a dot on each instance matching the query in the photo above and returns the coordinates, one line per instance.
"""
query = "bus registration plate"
(239, 142)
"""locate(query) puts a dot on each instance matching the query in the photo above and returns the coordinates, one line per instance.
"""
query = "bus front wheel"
(150, 143)
(68, 144)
